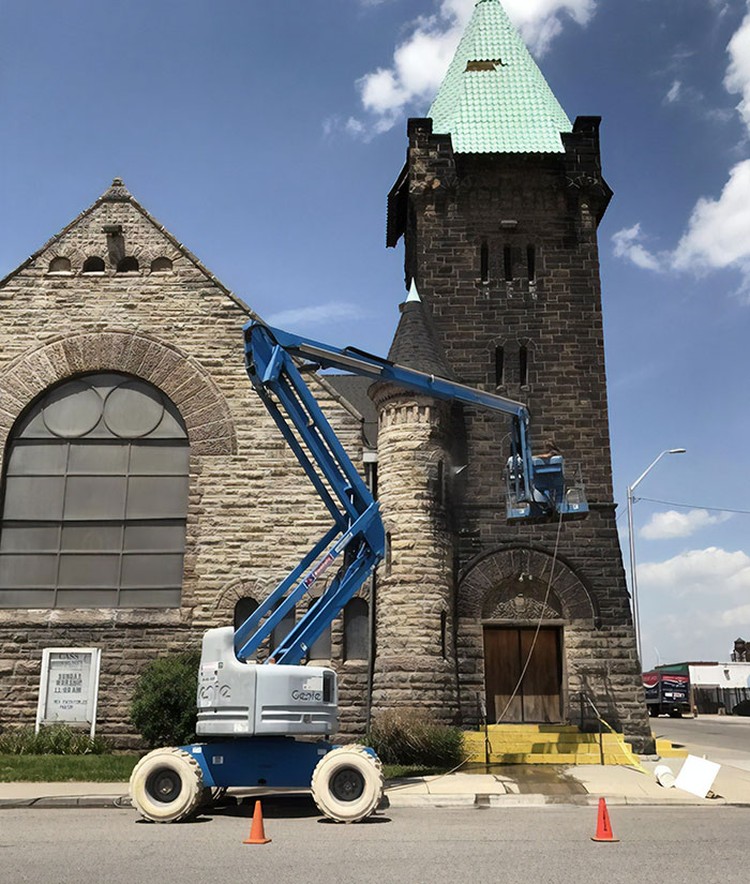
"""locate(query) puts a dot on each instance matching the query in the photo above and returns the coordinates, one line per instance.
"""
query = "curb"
(116, 802)
(435, 800)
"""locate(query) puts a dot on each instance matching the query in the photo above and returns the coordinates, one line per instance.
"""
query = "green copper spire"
(494, 98)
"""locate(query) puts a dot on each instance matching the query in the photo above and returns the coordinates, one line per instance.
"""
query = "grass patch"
(117, 768)
(399, 771)
(66, 768)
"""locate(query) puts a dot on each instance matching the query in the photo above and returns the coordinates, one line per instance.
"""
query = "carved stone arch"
(204, 409)
(529, 343)
(495, 580)
(232, 592)
(522, 599)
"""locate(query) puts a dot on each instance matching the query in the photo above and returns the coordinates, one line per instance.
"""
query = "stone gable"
(251, 511)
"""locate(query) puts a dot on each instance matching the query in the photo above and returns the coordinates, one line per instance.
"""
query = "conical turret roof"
(494, 98)
(415, 344)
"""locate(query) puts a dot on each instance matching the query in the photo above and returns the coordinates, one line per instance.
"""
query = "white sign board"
(697, 775)
(69, 687)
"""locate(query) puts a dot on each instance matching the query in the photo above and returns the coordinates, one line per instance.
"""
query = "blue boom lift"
(252, 715)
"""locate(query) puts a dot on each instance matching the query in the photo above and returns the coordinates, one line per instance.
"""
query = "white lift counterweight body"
(253, 713)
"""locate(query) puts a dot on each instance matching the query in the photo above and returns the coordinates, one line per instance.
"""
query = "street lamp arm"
(631, 540)
(650, 467)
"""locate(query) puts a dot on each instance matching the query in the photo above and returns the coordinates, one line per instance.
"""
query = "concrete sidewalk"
(497, 786)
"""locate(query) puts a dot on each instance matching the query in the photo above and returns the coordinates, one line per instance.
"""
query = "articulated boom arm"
(536, 485)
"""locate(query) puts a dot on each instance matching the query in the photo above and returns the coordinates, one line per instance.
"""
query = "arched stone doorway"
(520, 611)
(522, 625)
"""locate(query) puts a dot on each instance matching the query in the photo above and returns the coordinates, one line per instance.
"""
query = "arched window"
(499, 366)
(59, 265)
(484, 262)
(243, 609)
(283, 628)
(356, 617)
(94, 264)
(128, 265)
(531, 262)
(508, 263)
(523, 365)
(321, 647)
(95, 498)
(161, 265)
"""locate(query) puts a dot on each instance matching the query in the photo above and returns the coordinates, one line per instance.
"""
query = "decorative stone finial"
(413, 293)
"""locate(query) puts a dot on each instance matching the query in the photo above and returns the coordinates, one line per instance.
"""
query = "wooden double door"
(506, 652)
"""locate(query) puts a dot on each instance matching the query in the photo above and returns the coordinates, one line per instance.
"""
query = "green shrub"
(412, 737)
(55, 739)
(163, 705)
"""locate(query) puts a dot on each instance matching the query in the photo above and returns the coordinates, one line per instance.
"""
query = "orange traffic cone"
(603, 827)
(257, 833)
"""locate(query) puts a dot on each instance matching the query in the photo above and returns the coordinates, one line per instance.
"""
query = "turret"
(415, 663)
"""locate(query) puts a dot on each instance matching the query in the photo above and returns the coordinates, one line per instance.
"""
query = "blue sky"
(265, 136)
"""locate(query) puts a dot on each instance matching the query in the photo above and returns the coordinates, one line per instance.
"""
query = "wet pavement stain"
(547, 779)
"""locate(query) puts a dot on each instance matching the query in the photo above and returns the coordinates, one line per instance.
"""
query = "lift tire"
(166, 786)
(347, 784)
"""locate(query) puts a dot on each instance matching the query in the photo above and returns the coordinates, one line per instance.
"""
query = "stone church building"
(147, 495)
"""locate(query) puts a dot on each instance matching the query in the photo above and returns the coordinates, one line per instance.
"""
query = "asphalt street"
(550, 845)
(721, 738)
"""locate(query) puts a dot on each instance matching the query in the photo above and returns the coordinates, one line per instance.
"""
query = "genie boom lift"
(269, 725)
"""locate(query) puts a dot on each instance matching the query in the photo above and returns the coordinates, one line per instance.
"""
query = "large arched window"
(95, 498)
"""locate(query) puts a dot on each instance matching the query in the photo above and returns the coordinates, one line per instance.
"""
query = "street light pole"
(631, 537)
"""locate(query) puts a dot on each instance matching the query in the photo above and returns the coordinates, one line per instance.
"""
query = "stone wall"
(415, 597)
(504, 252)
(251, 513)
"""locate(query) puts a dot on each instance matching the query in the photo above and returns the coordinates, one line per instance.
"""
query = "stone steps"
(546, 744)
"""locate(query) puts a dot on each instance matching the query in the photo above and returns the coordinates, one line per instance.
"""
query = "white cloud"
(421, 60)
(718, 232)
(717, 235)
(332, 311)
(712, 571)
(670, 524)
(674, 92)
(694, 605)
(628, 244)
(737, 79)
(736, 617)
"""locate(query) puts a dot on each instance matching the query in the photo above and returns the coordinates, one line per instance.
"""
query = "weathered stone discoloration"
(546, 321)
(251, 512)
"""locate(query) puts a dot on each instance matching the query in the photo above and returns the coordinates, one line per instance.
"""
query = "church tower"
(498, 205)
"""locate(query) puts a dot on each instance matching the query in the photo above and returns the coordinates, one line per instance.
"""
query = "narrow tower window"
(523, 365)
(283, 627)
(531, 262)
(508, 263)
(321, 647)
(243, 608)
(356, 619)
(484, 262)
(444, 635)
(499, 366)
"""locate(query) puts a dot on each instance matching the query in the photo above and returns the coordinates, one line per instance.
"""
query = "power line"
(693, 506)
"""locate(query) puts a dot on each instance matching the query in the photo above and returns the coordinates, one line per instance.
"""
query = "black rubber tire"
(347, 784)
(166, 786)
